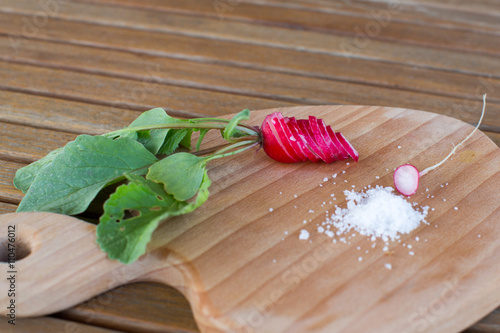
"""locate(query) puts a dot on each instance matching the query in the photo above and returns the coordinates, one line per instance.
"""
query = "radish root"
(456, 147)
(406, 177)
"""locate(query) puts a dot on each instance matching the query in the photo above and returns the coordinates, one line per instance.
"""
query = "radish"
(289, 140)
(406, 177)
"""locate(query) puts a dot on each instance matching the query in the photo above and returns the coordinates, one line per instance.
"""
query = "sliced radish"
(406, 179)
(341, 152)
(320, 140)
(302, 140)
(308, 133)
(271, 142)
(293, 141)
(328, 140)
(347, 146)
(290, 140)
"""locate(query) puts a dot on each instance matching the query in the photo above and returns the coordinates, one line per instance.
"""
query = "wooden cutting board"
(240, 262)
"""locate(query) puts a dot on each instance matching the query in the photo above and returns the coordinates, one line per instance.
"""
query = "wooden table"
(72, 67)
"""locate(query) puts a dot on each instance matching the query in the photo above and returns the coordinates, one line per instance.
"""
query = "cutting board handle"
(58, 264)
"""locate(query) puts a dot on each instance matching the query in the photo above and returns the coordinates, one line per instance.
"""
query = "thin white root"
(456, 147)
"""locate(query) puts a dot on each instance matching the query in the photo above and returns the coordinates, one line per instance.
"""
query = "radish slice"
(301, 140)
(292, 140)
(271, 142)
(308, 132)
(328, 140)
(320, 140)
(347, 146)
(406, 179)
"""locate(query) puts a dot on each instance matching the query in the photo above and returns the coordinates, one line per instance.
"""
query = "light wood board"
(240, 262)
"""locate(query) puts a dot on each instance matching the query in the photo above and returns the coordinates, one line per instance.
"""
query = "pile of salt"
(377, 213)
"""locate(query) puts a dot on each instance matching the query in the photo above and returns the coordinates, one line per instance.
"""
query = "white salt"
(388, 266)
(270, 209)
(304, 234)
(377, 213)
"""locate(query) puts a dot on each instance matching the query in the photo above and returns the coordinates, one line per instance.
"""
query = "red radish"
(288, 140)
(406, 177)
(273, 143)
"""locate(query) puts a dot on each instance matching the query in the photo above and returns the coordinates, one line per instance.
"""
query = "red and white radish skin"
(406, 177)
(288, 140)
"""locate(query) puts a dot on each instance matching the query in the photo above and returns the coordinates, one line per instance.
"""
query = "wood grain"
(254, 273)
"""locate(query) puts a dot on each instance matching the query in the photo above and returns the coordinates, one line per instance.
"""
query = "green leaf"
(25, 176)
(231, 130)
(175, 137)
(152, 139)
(180, 173)
(126, 239)
(72, 180)
(203, 131)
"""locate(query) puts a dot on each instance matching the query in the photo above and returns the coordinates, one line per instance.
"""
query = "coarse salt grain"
(388, 266)
(304, 234)
(377, 213)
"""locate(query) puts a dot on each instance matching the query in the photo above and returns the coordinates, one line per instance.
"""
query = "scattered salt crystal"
(399, 147)
(359, 248)
(270, 209)
(329, 233)
(479, 236)
(281, 192)
(321, 229)
(345, 180)
(388, 266)
(353, 186)
(409, 246)
(444, 199)
(347, 163)
(311, 211)
(286, 232)
(455, 208)
(343, 171)
(325, 179)
(385, 249)
(411, 253)
(295, 195)
(334, 176)
(304, 221)
(377, 177)
(417, 238)
(304, 234)
(360, 258)
(274, 260)
(320, 185)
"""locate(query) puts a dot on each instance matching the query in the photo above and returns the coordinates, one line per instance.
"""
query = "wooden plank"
(250, 82)
(59, 115)
(48, 324)
(138, 307)
(432, 13)
(336, 22)
(286, 47)
(123, 93)
(9, 195)
(26, 145)
(6, 208)
(144, 91)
